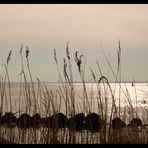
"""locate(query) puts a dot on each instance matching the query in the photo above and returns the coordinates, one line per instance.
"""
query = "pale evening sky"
(89, 28)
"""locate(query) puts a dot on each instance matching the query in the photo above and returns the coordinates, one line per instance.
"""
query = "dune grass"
(40, 98)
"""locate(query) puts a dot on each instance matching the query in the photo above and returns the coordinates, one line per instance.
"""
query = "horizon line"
(82, 82)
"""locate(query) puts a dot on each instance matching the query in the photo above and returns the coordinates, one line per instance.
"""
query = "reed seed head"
(9, 56)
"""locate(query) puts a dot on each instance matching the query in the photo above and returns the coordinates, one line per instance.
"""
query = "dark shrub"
(117, 123)
(77, 122)
(55, 121)
(62, 120)
(46, 122)
(36, 121)
(94, 122)
(59, 120)
(24, 121)
(135, 122)
(8, 119)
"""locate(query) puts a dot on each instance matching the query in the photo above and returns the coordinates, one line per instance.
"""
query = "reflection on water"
(137, 96)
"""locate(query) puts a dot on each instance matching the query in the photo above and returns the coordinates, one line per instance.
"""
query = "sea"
(49, 97)
(126, 100)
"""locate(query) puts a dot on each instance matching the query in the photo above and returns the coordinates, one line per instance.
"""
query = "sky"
(90, 29)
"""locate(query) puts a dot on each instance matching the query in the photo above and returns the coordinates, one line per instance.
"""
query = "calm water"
(138, 96)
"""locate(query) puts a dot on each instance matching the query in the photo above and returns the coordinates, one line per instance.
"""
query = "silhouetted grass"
(37, 116)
